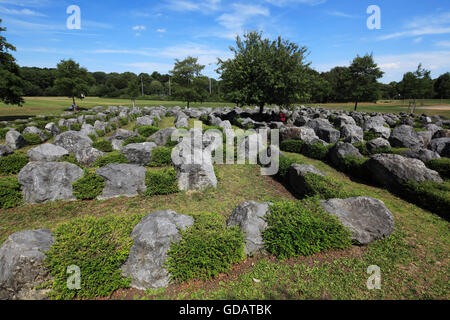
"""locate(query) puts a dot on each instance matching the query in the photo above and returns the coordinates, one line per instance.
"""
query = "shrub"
(206, 249)
(433, 196)
(69, 158)
(100, 133)
(3, 132)
(161, 156)
(93, 137)
(63, 128)
(12, 163)
(171, 144)
(103, 145)
(90, 121)
(354, 165)
(75, 127)
(370, 135)
(88, 187)
(99, 247)
(113, 157)
(361, 146)
(138, 139)
(295, 146)
(113, 125)
(10, 195)
(302, 228)
(283, 166)
(442, 166)
(32, 138)
(162, 181)
(147, 131)
(316, 150)
(123, 121)
(203, 118)
(323, 187)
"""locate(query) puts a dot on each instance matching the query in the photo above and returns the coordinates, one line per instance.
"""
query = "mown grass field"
(414, 260)
(57, 105)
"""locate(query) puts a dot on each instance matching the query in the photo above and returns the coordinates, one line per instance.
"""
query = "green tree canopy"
(264, 72)
(71, 80)
(442, 86)
(363, 84)
(416, 85)
(11, 84)
(133, 90)
(185, 76)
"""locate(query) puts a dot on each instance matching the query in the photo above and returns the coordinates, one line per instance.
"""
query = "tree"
(319, 88)
(338, 78)
(264, 72)
(156, 87)
(442, 86)
(11, 84)
(363, 84)
(416, 85)
(71, 80)
(184, 75)
(133, 90)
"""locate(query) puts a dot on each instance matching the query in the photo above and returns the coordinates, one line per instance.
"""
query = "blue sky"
(146, 36)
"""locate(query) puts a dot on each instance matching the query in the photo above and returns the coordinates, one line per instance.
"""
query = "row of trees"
(261, 72)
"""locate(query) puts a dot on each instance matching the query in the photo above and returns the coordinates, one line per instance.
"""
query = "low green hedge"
(370, 135)
(32, 138)
(163, 181)
(88, 187)
(10, 195)
(161, 156)
(3, 132)
(354, 165)
(284, 162)
(69, 158)
(75, 127)
(316, 151)
(123, 121)
(99, 247)
(323, 187)
(100, 133)
(13, 163)
(130, 140)
(103, 145)
(298, 228)
(113, 157)
(146, 131)
(206, 249)
(442, 166)
(295, 146)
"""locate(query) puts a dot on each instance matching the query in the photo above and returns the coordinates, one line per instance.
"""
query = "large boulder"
(22, 265)
(144, 121)
(73, 141)
(139, 153)
(87, 156)
(5, 150)
(152, 238)
(377, 144)
(48, 181)
(352, 133)
(34, 130)
(424, 155)
(324, 130)
(122, 134)
(52, 128)
(405, 137)
(161, 137)
(46, 152)
(392, 170)
(87, 129)
(15, 140)
(341, 150)
(441, 146)
(122, 180)
(296, 176)
(381, 131)
(368, 219)
(182, 122)
(249, 216)
(299, 133)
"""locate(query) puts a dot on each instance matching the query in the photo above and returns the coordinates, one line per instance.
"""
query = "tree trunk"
(188, 104)
(73, 99)
(261, 109)
(134, 103)
(414, 106)
(356, 105)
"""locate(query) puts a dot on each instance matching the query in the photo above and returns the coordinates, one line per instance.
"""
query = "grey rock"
(48, 181)
(249, 216)
(122, 134)
(377, 144)
(22, 265)
(87, 156)
(73, 141)
(122, 180)
(161, 137)
(117, 144)
(392, 170)
(5, 150)
(352, 133)
(52, 128)
(182, 122)
(296, 176)
(368, 219)
(139, 153)
(441, 146)
(341, 150)
(46, 152)
(15, 140)
(299, 133)
(422, 154)
(34, 130)
(152, 238)
(87, 129)
(405, 136)
(382, 131)
(144, 121)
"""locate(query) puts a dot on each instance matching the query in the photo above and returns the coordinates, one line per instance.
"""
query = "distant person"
(282, 117)
(77, 108)
(72, 107)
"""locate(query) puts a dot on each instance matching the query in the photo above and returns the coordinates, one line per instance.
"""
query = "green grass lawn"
(57, 105)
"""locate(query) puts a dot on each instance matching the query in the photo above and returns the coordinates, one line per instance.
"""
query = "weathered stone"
(441, 146)
(22, 265)
(5, 150)
(341, 150)
(405, 137)
(352, 133)
(161, 137)
(422, 154)
(368, 219)
(249, 216)
(15, 140)
(144, 121)
(48, 181)
(377, 144)
(87, 156)
(52, 128)
(299, 133)
(34, 130)
(73, 141)
(46, 152)
(152, 238)
(296, 176)
(122, 180)
(139, 153)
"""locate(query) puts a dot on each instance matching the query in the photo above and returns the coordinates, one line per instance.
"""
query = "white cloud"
(21, 12)
(282, 3)
(417, 32)
(443, 43)
(139, 28)
(149, 67)
(161, 30)
(27, 3)
(341, 14)
(418, 40)
(205, 6)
